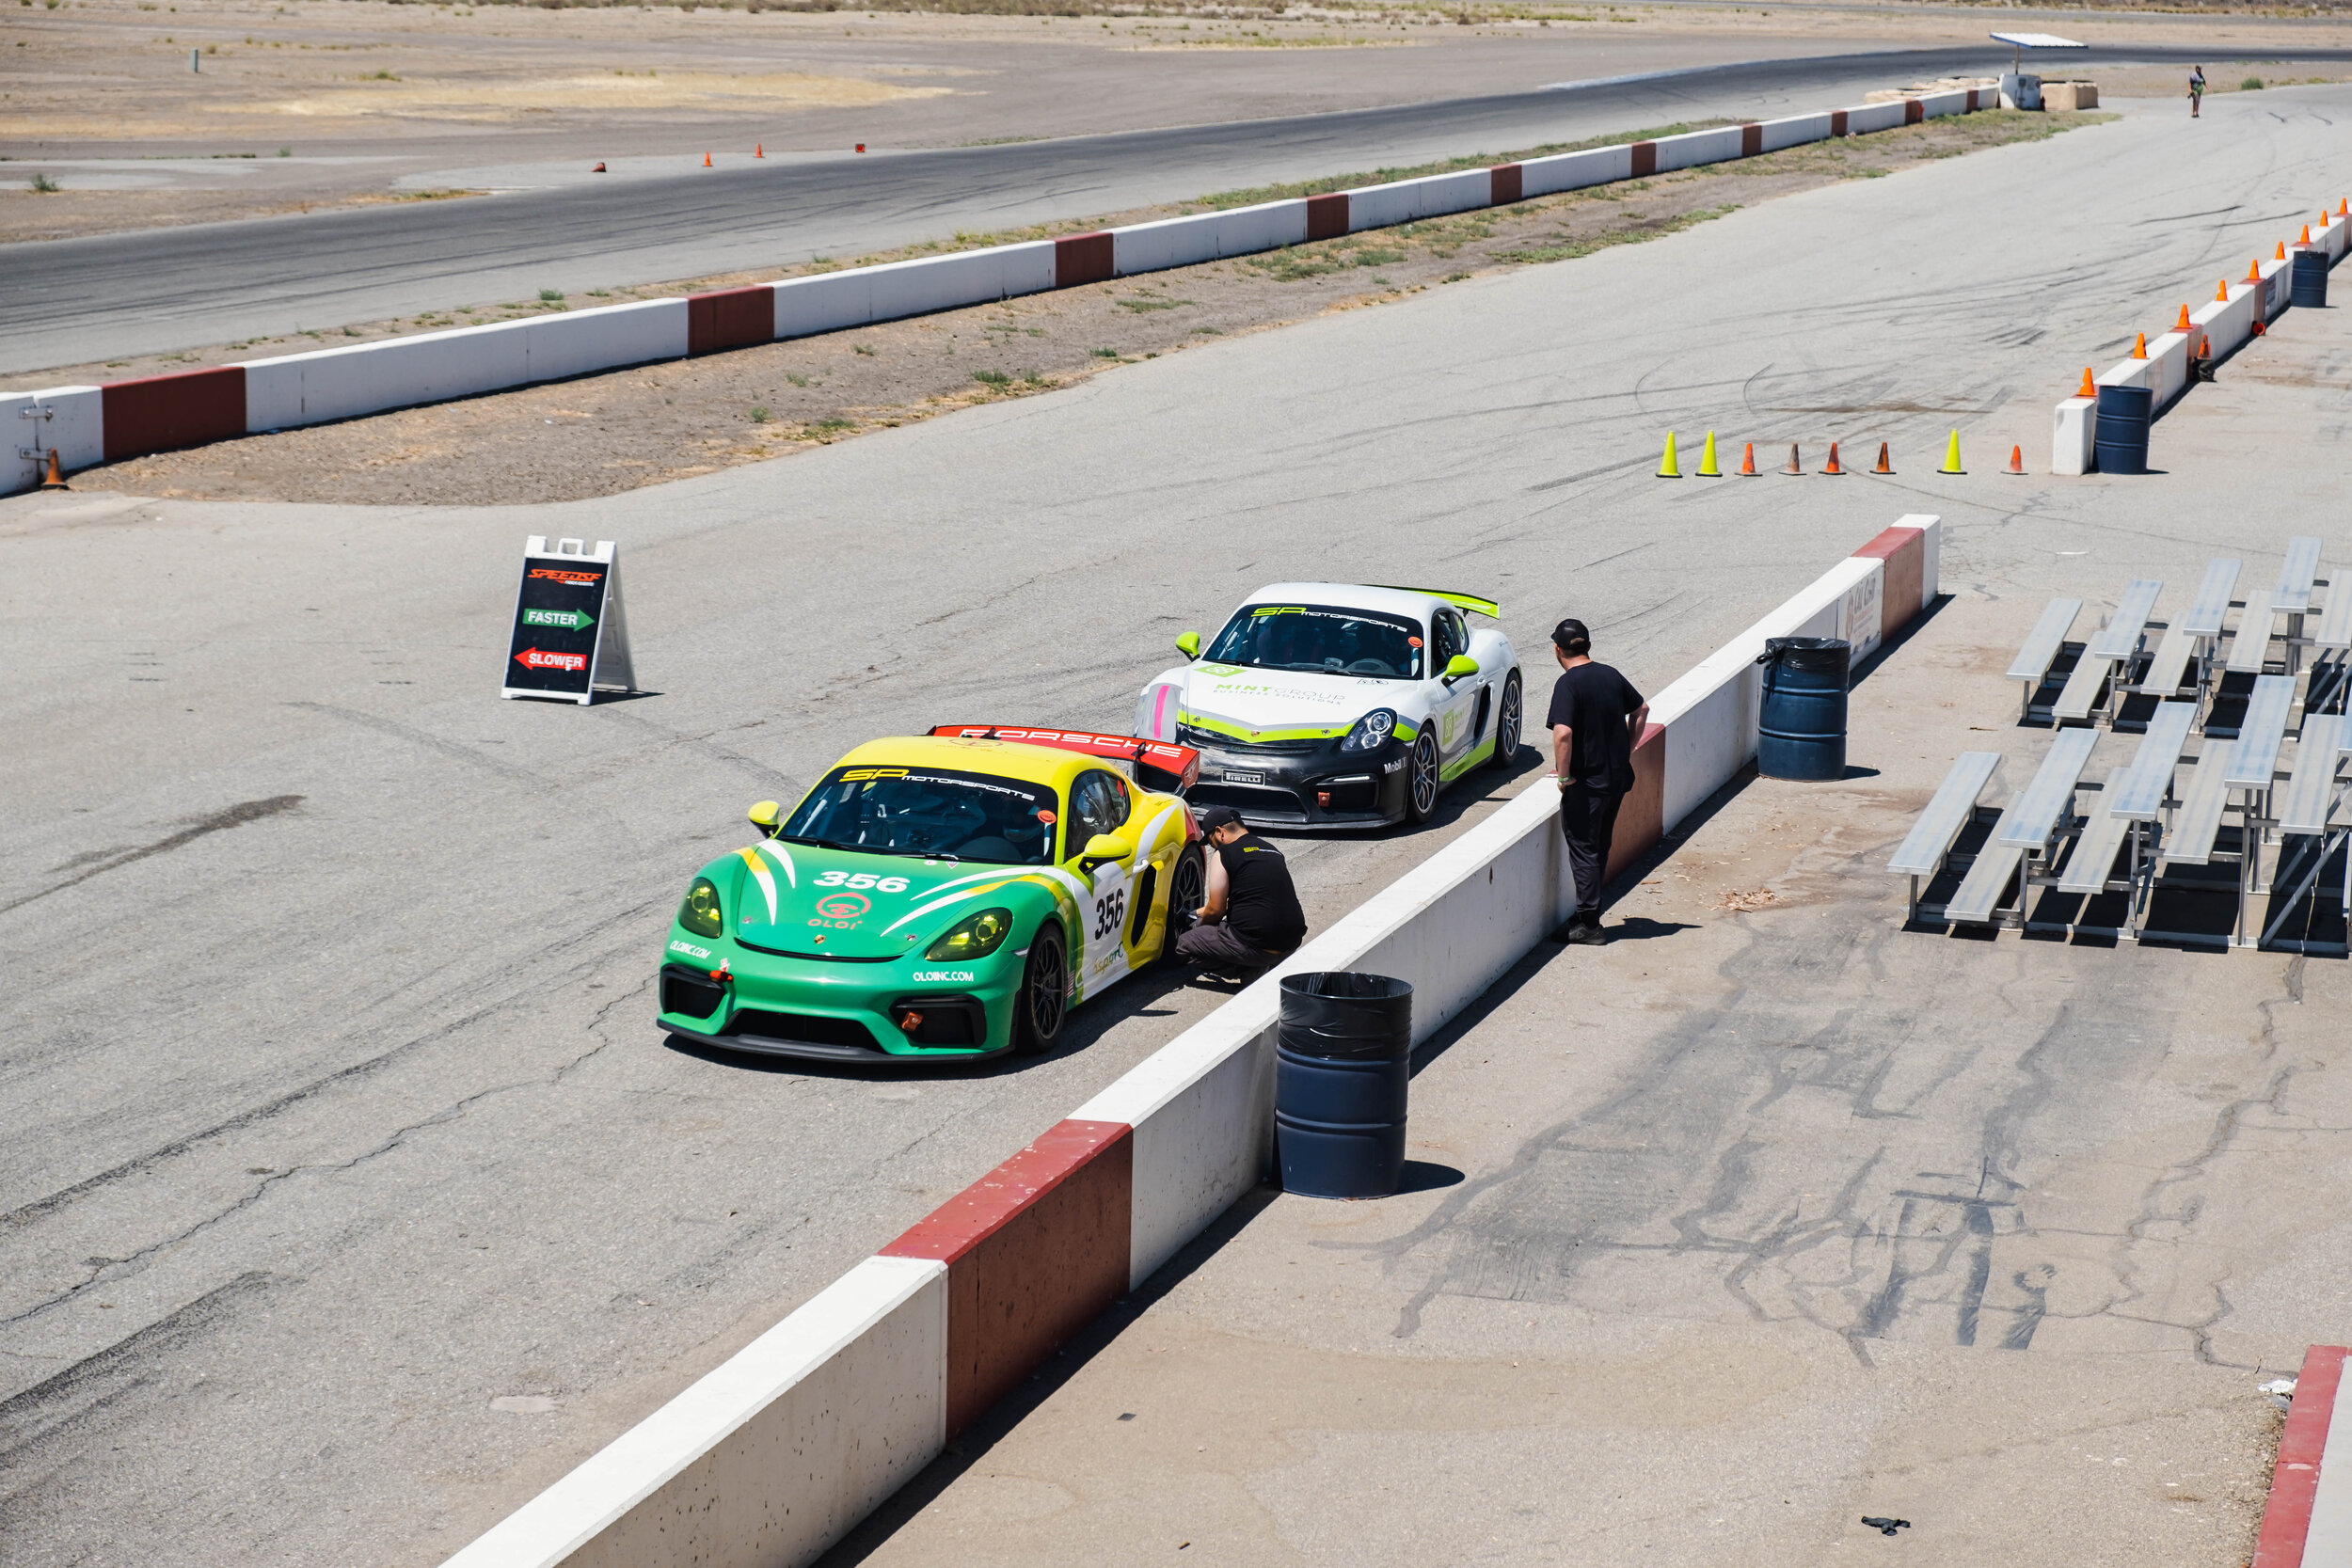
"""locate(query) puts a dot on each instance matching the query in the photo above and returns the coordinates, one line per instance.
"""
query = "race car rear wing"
(1158, 764)
(1470, 602)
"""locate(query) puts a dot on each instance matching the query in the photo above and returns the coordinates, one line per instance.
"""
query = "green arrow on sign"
(570, 620)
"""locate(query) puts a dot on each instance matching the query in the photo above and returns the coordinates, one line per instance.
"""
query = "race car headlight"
(1371, 733)
(975, 936)
(700, 914)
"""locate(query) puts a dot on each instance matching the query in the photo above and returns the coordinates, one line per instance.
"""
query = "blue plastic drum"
(1343, 1064)
(1801, 726)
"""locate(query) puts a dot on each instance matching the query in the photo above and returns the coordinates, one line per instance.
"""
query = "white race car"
(1325, 705)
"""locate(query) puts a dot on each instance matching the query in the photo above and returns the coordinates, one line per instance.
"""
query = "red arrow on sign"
(531, 658)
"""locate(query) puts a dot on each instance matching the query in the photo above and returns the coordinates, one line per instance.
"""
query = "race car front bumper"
(776, 1005)
(1321, 789)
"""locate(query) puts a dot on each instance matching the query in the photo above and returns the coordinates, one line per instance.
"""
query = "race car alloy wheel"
(1187, 890)
(1420, 777)
(1044, 995)
(1507, 725)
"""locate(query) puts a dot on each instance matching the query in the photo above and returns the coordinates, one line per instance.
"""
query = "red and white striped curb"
(2307, 1521)
(86, 425)
(777, 1453)
(2221, 323)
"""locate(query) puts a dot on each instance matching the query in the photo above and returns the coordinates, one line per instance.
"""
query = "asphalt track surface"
(350, 1196)
(158, 291)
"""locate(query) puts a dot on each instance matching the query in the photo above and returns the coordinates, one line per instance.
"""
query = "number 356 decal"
(1110, 914)
(862, 879)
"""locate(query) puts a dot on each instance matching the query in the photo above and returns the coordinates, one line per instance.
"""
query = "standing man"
(1251, 921)
(2196, 89)
(1596, 717)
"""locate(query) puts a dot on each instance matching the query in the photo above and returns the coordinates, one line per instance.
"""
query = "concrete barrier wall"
(773, 1457)
(293, 389)
(70, 419)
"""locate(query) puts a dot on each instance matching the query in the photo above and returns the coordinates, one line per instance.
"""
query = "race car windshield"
(928, 811)
(1320, 639)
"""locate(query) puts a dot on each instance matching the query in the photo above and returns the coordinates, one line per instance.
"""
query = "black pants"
(1588, 819)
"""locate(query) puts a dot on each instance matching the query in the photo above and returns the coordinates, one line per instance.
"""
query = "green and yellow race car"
(949, 895)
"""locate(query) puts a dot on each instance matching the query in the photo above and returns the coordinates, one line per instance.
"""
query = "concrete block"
(1268, 226)
(2277, 277)
(2168, 358)
(2069, 95)
(70, 421)
(1574, 171)
(1795, 131)
(580, 342)
(1383, 206)
(2072, 429)
(772, 1457)
(968, 278)
(392, 372)
(1934, 105)
(824, 302)
(1876, 116)
(1169, 243)
(161, 413)
(1696, 148)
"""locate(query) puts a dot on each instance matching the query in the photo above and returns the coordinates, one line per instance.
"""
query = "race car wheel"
(1044, 999)
(1507, 721)
(1187, 890)
(1421, 778)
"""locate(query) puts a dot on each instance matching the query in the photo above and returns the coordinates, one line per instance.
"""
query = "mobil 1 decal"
(570, 637)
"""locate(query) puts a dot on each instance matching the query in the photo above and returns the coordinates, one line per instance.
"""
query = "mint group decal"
(554, 646)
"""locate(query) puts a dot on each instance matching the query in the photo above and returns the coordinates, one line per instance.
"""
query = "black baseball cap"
(1213, 818)
(1568, 633)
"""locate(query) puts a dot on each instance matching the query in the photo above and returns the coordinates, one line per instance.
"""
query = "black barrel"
(1801, 728)
(1342, 1065)
(2122, 440)
(2309, 289)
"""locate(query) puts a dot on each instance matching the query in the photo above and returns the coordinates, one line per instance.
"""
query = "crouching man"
(1251, 921)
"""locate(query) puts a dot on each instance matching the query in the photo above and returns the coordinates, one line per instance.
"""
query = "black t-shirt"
(1261, 906)
(1594, 702)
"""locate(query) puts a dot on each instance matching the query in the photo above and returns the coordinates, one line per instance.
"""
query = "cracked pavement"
(349, 1197)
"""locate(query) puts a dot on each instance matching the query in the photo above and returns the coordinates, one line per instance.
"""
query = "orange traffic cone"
(1884, 467)
(2307, 233)
(1794, 468)
(2140, 346)
(1832, 467)
(2258, 329)
(2016, 460)
(758, 150)
(2254, 270)
(56, 480)
(1747, 460)
(861, 147)
(2283, 252)
(2182, 325)
(706, 160)
(2090, 387)
(2342, 207)
(598, 169)
(2221, 292)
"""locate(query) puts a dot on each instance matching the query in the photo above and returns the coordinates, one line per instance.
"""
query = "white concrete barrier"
(1406, 200)
(2073, 432)
(580, 342)
(1875, 117)
(391, 372)
(824, 302)
(1268, 226)
(1795, 131)
(1938, 104)
(965, 278)
(1694, 148)
(70, 421)
(1574, 171)
(1169, 243)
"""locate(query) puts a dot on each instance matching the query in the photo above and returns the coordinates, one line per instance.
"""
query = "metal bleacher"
(2252, 702)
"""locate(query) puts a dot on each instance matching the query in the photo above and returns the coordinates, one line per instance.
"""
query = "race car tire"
(1044, 1000)
(1187, 890)
(1421, 777)
(1509, 716)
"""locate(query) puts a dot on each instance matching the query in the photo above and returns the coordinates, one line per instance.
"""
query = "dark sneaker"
(1585, 934)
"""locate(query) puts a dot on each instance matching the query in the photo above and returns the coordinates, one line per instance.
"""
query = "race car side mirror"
(1103, 849)
(1460, 667)
(763, 816)
(1189, 644)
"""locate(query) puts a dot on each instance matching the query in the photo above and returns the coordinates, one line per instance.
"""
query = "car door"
(1098, 803)
(1453, 709)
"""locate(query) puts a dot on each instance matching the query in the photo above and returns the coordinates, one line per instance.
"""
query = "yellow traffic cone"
(1667, 466)
(1707, 459)
(1952, 457)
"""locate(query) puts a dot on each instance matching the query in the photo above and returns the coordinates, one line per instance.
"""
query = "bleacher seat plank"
(2080, 693)
(1980, 893)
(2199, 818)
(2094, 850)
(2292, 595)
(2033, 814)
(2256, 758)
(2312, 788)
(1930, 837)
(2211, 606)
(2119, 638)
(2042, 647)
(2140, 795)
(2250, 647)
(2170, 666)
(2335, 626)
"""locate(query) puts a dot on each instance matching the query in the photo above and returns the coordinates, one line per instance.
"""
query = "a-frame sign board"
(571, 635)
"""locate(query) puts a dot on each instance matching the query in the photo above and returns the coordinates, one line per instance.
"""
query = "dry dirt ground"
(616, 432)
(303, 104)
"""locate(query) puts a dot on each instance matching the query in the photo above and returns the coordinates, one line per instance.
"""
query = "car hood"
(1268, 705)
(796, 898)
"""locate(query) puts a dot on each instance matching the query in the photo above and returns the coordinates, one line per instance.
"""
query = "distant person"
(1596, 716)
(1251, 921)
(2196, 89)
